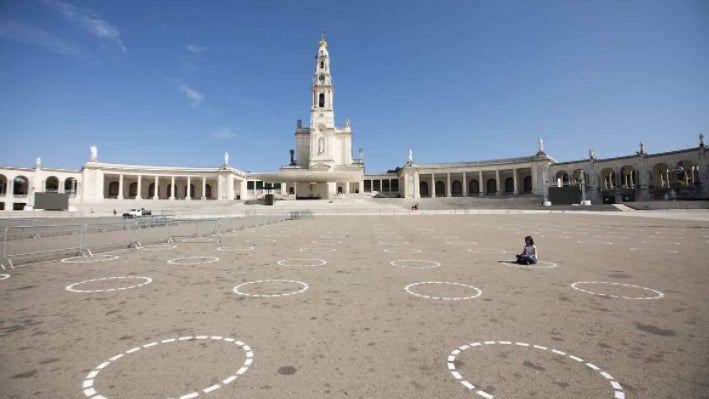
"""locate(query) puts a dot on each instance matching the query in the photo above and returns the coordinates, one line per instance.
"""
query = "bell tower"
(322, 115)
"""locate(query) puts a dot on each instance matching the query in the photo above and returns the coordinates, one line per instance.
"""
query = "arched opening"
(628, 179)
(491, 186)
(423, 189)
(70, 186)
(440, 189)
(322, 64)
(51, 185)
(113, 189)
(527, 183)
(562, 177)
(321, 100)
(576, 177)
(456, 188)
(208, 191)
(473, 187)
(189, 194)
(169, 191)
(3, 185)
(151, 190)
(133, 190)
(660, 175)
(684, 174)
(509, 185)
(608, 177)
(20, 186)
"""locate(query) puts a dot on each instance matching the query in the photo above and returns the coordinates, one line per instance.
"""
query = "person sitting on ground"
(529, 253)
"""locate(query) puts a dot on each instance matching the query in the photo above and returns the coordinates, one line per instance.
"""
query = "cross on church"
(322, 34)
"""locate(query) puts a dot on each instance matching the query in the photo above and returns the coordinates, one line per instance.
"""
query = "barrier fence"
(25, 244)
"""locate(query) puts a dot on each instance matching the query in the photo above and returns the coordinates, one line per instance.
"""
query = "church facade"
(322, 166)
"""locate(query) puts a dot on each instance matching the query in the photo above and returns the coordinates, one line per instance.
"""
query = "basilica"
(322, 166)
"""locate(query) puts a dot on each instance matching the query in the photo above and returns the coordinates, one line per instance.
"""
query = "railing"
(32, 243)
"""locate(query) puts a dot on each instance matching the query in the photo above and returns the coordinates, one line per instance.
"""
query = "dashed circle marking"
(541, 264)
(412, 263)
(401, 250)
(658, 294)
(4, 276)
(409, 287)
(261, 241)
(327, 242)
(157, 247)
(655, 250)
(461, 242)
(302, 262)
(302, 284)
(317, 249)
(394, 243)
(193, 260)
(147, 280)
(242, 248)
(90, 391)
(594, 242)
(617, 388)
(90, 259)
(487, 250)
(198, 239)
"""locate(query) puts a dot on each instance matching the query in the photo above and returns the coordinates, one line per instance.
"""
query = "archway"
(491, 186)
(509, 185)
(423, 189)
(151, 190)
(627, 177)
(133, 190)
(208, 191)
(20, 186)
(70, 186)
(3, 185)
(563, 177)
(440, 189)
(51, 185)
(660, 175)
(456, 188)
(113, 189)
(527, 183)
(608, 177)
(473, 187)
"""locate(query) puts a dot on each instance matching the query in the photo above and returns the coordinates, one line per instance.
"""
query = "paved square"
(372, 307)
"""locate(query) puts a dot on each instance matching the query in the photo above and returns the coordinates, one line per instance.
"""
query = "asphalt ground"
(372, 307)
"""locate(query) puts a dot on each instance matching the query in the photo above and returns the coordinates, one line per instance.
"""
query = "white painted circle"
(90, 259)
(394, 243)
(461, 242)
(88, 383)
(401, 250)
(157, 247)
(243, 248)
(415, 263)
(147, 280)
(409, 287)
(327, 242)
(317, 249)
(302, 262)
(487, 250)
(594, 242)
(193, 260)
(617, 388)
(302, 284)
(541, 264)
(261, 241)
(657, 293)
(198, 239)
(4, 276)
(655, 250)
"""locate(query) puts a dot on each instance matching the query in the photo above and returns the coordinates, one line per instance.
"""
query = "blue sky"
(179, 83)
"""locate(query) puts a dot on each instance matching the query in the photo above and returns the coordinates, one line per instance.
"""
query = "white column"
(172, 188)
(204, 188)
(140, 182)
(465, 184)
(189, 191)
(448, 185)
(347, 187)
(481, 185)
(120, 186)
(497, 181)
(514, 178)
(433, 185)
(157, 188)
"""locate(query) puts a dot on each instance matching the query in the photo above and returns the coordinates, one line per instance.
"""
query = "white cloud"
(192, 94)
(195, 48)
(223, 133)
(89, 21)
(29, 34)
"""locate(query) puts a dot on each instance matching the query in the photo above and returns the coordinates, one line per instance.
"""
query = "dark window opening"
(249, 185)
(321, 100)
(377, 186)
(367, 186)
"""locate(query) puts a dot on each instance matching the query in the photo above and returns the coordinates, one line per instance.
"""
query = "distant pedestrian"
(114, 212)
(529, 252)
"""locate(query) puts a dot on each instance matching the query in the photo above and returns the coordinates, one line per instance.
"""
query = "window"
(321, 100)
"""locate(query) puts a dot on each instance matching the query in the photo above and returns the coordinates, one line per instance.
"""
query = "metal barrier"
(45, 242)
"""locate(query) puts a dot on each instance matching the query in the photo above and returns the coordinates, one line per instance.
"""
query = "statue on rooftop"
(226, 158)
(94, 153)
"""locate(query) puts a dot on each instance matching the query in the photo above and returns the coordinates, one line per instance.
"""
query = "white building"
(322, 166)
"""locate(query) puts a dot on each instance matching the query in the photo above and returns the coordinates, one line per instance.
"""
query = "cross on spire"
(322, 34)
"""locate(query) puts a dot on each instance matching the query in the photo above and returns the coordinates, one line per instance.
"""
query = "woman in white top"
(529, 253)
